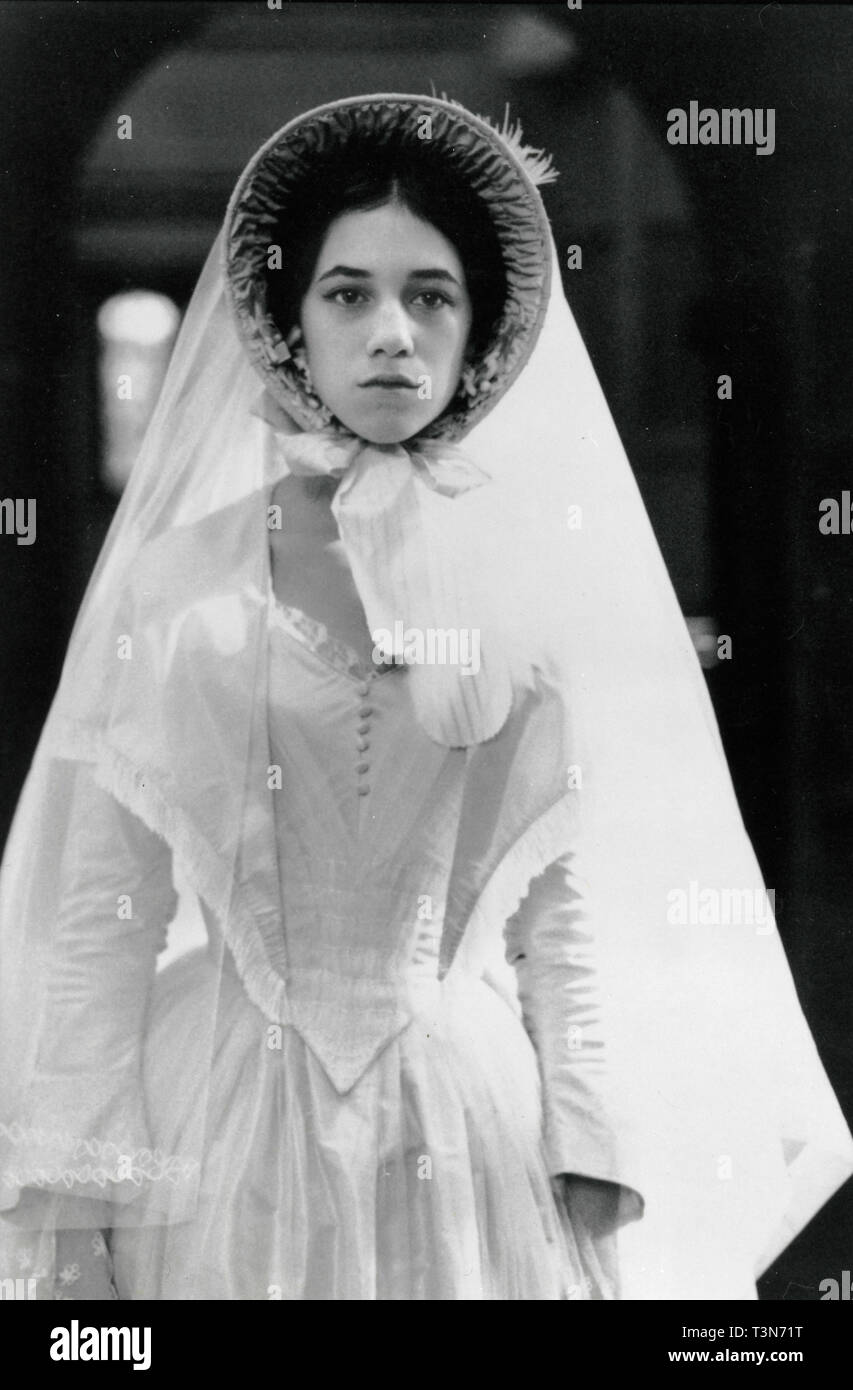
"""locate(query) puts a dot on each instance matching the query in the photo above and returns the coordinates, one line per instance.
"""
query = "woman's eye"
(346, 296)
(435, 297)
(350, 297)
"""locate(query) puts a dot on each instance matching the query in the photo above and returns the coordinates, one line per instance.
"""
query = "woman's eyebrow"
(344, 270)
(436, 273)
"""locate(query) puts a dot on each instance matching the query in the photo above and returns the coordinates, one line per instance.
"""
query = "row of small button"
(362, 741)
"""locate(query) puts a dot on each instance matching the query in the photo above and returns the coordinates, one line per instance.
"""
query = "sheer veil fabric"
(729, 1135)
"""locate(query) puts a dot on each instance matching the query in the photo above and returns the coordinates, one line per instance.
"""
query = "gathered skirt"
(426, 1180)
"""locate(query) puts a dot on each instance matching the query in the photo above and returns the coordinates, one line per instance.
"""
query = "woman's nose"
(390, 331)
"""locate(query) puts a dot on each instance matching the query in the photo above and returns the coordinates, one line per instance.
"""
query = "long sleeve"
(551, 943)
(85, 1122)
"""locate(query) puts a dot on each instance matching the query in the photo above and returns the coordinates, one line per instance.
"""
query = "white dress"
(389, 1144)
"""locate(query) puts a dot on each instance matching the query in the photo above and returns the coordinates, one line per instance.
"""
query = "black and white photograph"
(426, 659)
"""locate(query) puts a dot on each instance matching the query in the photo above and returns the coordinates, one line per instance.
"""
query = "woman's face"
(386, 321)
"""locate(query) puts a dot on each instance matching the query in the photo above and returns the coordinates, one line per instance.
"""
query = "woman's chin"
(388, 436)
(392, 427)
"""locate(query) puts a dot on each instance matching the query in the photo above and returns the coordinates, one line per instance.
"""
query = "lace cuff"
(72, 1164)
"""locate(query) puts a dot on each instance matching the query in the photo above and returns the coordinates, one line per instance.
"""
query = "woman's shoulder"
(213, 554)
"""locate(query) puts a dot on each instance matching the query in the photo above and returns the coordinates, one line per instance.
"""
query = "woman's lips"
(390, 383)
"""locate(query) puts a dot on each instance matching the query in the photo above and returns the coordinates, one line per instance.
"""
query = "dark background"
(697, 261)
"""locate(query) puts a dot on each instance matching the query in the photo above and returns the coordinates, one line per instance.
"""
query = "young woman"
(381, 662)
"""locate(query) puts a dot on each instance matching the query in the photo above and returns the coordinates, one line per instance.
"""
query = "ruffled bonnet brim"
(494, 162)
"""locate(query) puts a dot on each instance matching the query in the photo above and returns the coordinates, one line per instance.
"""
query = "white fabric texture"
(670, 1059)
(342, 1166)
(399, 526)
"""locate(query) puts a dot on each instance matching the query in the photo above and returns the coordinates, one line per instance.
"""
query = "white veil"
(729, 1128)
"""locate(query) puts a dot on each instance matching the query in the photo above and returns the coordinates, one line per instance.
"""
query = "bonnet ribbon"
(411, 556)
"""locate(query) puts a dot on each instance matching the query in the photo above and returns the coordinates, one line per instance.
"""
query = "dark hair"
(359, 180)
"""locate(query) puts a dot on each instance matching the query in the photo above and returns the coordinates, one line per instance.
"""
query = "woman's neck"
(310, 569)
(306, 509)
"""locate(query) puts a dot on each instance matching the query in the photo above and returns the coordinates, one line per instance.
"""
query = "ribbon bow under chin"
(411, 555)
(442, 467)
